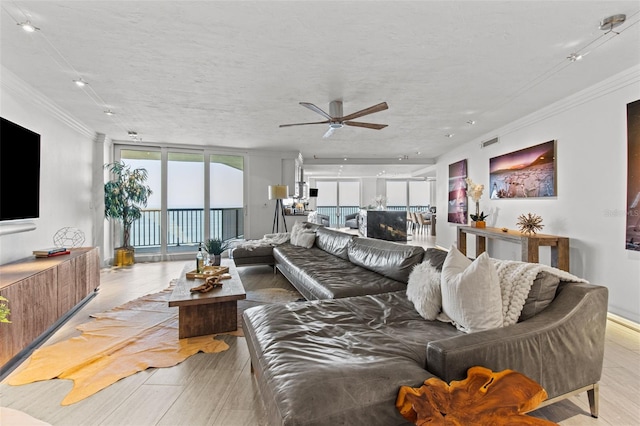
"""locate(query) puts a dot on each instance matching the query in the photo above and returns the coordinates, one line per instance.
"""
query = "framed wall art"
(457, 208)
(632, 237)
(526, 173)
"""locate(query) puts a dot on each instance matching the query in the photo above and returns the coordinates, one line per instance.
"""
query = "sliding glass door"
(411, 195)
(196, 195)
(146, 232)
(337, 199)
(185, 201)
(226, 189)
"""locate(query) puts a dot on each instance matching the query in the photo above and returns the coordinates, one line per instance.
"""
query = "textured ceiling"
(228, 73)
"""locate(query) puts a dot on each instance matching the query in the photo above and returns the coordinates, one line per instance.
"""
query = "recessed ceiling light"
(109, 112)
(80, 82)
(449, 135)
(28, 26)
(574, 57)
(471, 122)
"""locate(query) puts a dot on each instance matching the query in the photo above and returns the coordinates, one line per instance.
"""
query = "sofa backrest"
(333, 242)
(387, 258)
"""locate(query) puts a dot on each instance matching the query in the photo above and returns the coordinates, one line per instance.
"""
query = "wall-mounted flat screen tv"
(19, 172)
(313, 192)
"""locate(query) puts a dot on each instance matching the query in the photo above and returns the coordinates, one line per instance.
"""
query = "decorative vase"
(123, 256)
(214, 259)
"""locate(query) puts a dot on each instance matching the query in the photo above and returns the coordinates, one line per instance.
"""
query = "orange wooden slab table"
(483, 398)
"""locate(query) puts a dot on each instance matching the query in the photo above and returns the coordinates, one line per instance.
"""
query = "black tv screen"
(313, 192)
(19, 172)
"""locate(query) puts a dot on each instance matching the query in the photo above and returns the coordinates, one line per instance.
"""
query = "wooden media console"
(42, 294)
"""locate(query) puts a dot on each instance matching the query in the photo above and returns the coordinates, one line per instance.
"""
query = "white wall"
(262, 169)
(65, 198)
(591, 152)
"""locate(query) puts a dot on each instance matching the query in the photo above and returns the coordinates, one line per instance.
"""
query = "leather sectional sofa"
(341, 356)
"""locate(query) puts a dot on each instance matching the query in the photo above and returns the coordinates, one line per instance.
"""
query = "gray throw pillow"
(542, 293)
(435, 257)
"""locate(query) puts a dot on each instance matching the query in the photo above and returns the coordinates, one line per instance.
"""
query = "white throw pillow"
(296, 229)
(306, 239)
(423, 289)
(302, 236)
(471, 295)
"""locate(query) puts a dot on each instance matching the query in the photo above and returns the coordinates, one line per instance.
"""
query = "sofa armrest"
(562, 348)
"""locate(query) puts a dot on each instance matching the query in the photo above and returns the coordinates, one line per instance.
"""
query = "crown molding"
(217, 149)
(12, 83)
(605, 87)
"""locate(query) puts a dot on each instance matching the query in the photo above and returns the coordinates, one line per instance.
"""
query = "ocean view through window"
(191, 184)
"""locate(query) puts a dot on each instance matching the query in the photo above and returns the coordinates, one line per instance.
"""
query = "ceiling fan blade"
(329, 132)
(376, 108)
(314, 108)
(304, 124)
(367, 125)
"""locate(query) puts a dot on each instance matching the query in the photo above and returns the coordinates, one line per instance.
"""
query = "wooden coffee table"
(207, 313)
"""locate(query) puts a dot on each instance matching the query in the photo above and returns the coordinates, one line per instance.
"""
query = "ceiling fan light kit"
(337, 120)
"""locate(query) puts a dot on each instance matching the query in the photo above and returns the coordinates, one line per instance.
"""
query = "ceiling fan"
(336, 120)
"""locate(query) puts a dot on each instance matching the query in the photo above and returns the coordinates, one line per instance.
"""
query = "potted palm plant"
(215, 247)
(124, 196)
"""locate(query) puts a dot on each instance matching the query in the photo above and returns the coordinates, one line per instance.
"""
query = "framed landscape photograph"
(526, 173)
(632, 237)
(457, 208)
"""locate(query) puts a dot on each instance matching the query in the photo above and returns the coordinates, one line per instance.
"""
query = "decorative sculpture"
(529, 224)
(68, 237)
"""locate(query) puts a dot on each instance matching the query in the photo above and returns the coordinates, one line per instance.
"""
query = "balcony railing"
(186, 226)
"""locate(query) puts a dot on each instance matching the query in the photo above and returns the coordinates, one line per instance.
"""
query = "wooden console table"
(529, 244)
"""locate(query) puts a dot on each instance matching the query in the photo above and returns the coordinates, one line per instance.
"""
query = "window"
(196, 194)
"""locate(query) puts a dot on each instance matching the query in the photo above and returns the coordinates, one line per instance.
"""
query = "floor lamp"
(278, 193)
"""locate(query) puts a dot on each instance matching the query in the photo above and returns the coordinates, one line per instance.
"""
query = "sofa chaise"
(341, 356)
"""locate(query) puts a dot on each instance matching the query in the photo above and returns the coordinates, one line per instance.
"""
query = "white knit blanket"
(516, 279)
(269, 240)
